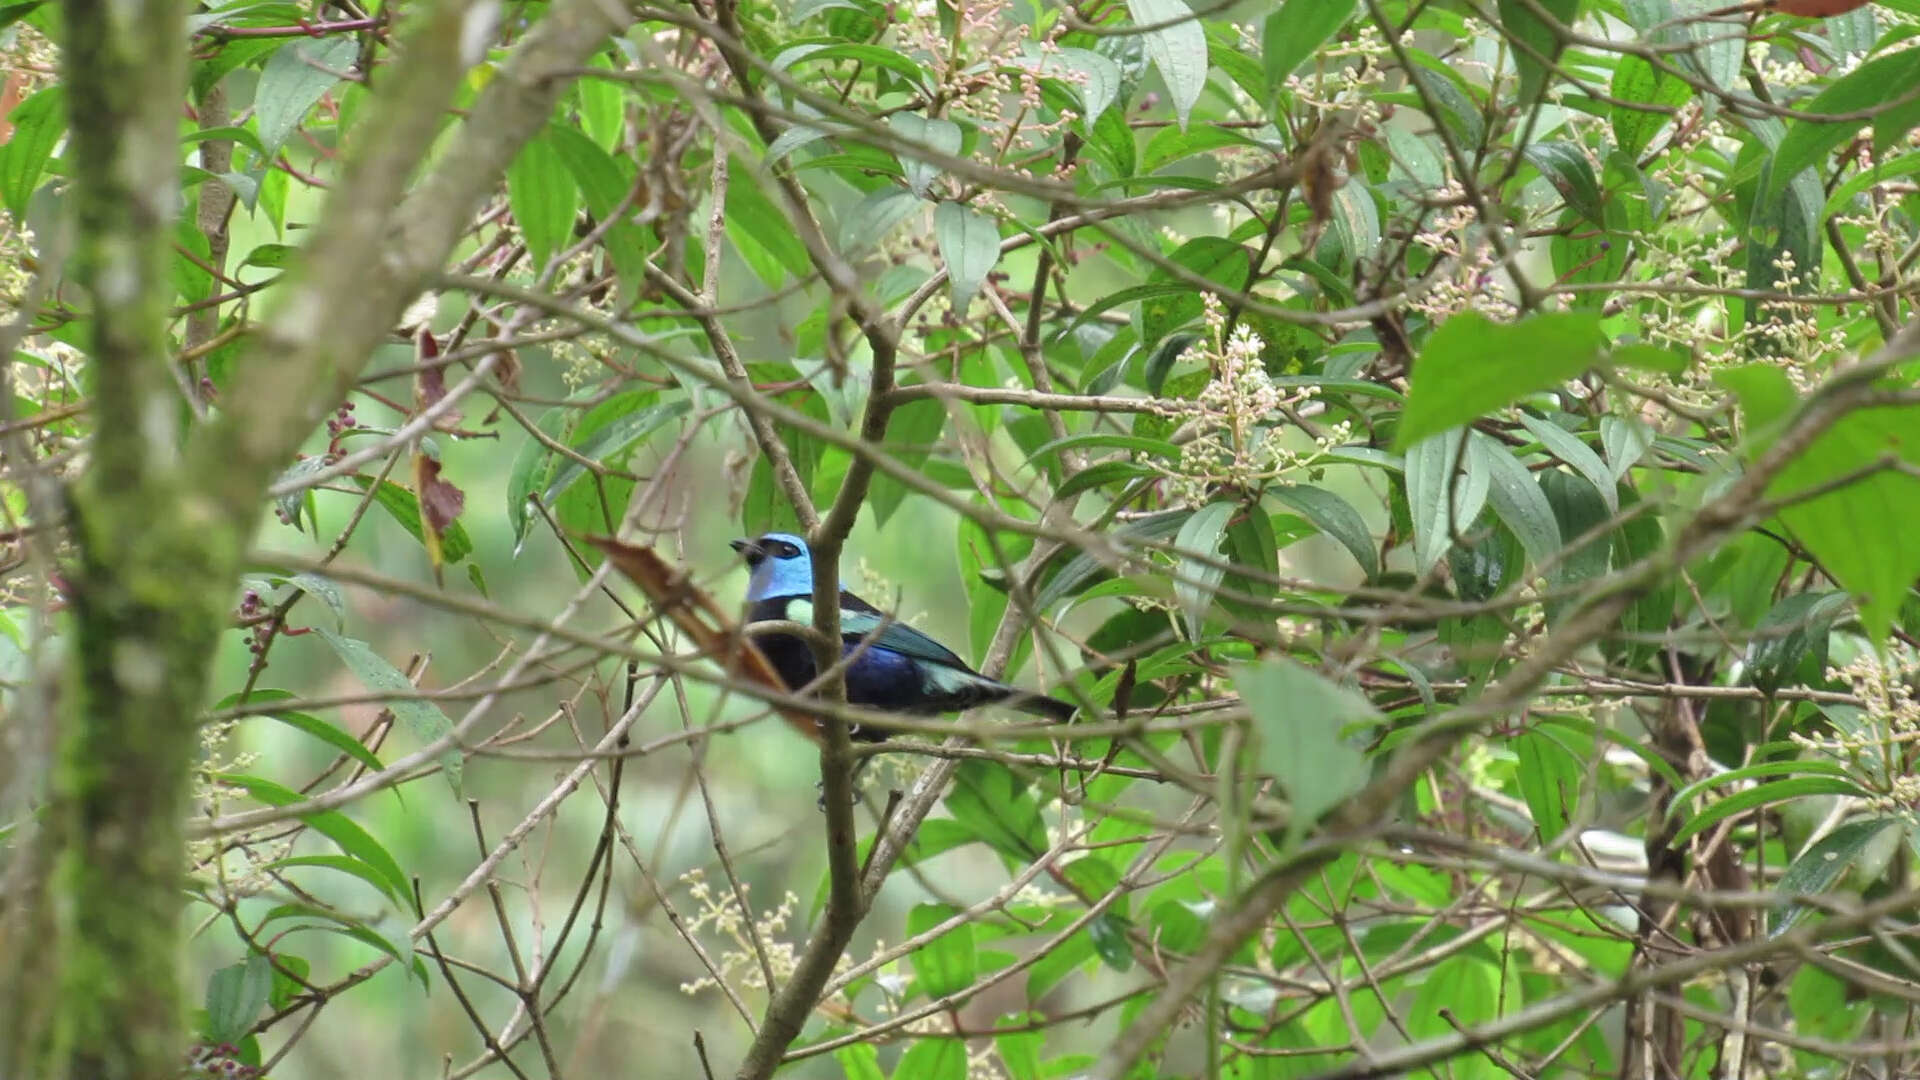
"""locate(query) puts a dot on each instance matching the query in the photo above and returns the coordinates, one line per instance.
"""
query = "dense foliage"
(1459, 457)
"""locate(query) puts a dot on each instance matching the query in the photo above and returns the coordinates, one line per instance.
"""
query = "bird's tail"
(1050, 707)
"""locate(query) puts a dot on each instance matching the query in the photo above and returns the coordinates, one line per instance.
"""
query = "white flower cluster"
(1232, 423)
(720, 915)
(1879, 752)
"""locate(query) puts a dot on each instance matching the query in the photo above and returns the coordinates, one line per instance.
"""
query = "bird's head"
(780, 563)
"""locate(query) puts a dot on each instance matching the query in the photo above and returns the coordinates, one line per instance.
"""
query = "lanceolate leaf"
(1518, 501)
(1441, 496)
(1295, 32)
(1178, 48)
(1571, 174)
(544, 199)
(970, 244)
(294, 79)
(37, 125)
(935, 133)
(1194, 581)
(422, 717)
(1536, 41)
(1819, 868)
(1335, 517)
(1881, 89)
(1568, 447)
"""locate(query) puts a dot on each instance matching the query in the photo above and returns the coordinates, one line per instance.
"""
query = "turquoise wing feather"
(855, 626)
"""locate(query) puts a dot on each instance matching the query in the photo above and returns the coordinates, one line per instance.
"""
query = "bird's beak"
(748, 550)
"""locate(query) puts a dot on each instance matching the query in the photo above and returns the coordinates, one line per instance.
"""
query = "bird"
(900, 670)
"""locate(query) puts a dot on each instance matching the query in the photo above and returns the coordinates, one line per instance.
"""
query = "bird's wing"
(859, 619)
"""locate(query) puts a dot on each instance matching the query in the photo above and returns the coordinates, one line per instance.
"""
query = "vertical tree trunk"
(96, 993)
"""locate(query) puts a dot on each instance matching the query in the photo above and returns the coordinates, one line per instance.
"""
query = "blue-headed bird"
(899, 670)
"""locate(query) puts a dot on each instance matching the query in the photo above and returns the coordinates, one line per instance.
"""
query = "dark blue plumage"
(900, 670)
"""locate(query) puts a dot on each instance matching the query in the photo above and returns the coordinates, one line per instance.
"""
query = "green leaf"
(860, 1061)
(1467, 989)
(1335, 517)
(1714, 54)
(1872, 90)
(1100, 474)
(271, 256)
(1821, 866)
(1790, 635)
(1472, 366)
(1625, 441)
(945, 965)
(311, 725)
(1579, 511)
(1178, 49)
(612, 443)
(933, 1059)
(1299, 716)
(1442, 497)
(296, 77)
(869, 222)
(1020, 1053)
(13, 13)
(603, 185)
(422, 717)
(1571, 174)
(970, 245)
(1455, 105)
(1111, 138)
(191, 277)
(998, 809)
(38, 123)
(400, 505)
(1517, 500)
(1536, 45)
(1109, 934)
(1083, 567)
(1765, 795)
(912, 432)
(287, 972)
(1295, 32)
(235, 995)
(935, 133)
(872, 56)
(1195, 582)
(345, 864)
(1862, 532)
(603, 104)
(544, 198)
(760, 231)
(533, 466)
(1648, 358)
(1783, 227)
(1637, 81)
(1549, 780)
(1683, 796)
(1355, 234)
(335, 826)
(325, 591)
(1095, 79)
(1169, 145)
(1568, 447)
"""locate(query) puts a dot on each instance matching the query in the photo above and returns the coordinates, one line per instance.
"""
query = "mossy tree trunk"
(160, 522)
(147, 584)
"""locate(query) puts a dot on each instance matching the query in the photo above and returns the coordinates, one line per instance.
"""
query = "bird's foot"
(821, 802)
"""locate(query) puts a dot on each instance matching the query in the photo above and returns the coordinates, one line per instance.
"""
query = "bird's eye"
(786, 550)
